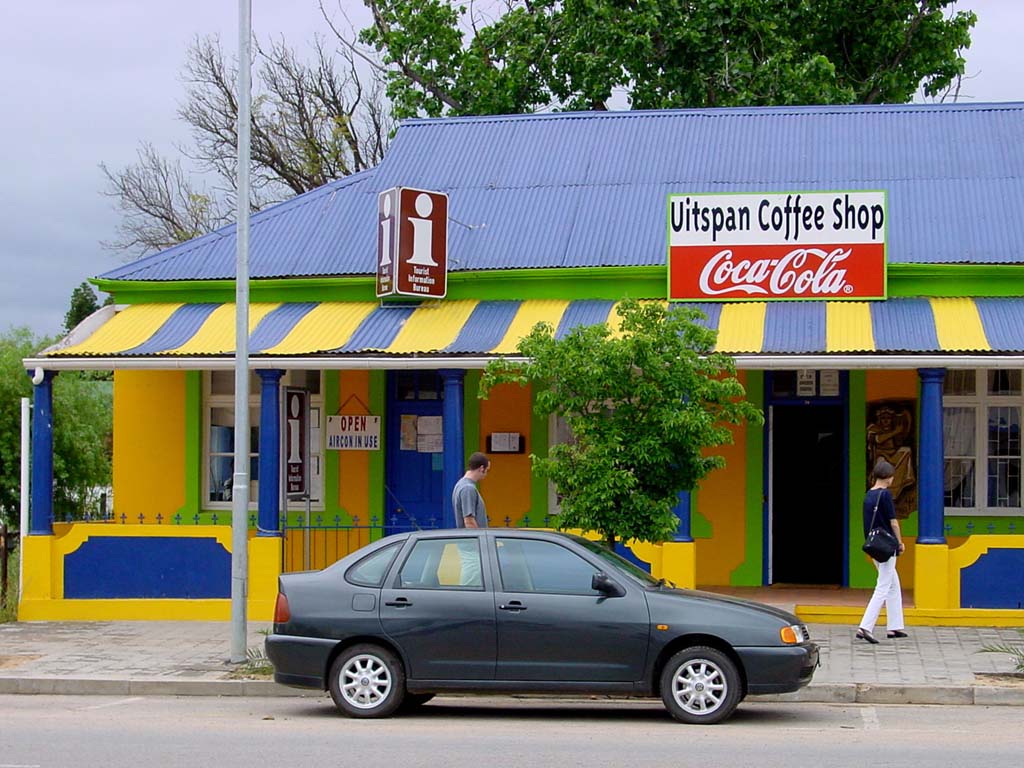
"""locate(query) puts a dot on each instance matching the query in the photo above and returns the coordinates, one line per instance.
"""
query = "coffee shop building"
(863, 265)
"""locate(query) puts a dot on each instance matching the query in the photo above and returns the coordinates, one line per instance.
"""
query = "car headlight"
(793, 634)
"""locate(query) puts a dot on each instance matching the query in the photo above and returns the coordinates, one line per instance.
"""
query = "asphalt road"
(116, 732)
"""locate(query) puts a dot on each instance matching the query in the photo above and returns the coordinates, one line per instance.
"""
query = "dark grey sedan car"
(506, 610)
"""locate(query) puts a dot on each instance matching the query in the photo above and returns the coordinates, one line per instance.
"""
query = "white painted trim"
(83, 330)
(429, 362)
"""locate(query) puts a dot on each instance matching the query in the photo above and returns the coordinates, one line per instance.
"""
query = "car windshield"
(620, 563)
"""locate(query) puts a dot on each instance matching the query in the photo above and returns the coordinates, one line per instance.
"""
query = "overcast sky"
(84, 81)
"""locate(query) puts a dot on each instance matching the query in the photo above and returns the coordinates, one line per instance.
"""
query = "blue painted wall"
(994, 581)
(142, 567)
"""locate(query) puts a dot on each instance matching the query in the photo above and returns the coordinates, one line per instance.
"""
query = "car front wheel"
(700, 685)
(367, 681)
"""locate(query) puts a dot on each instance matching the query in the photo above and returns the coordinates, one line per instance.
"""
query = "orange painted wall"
(885, 385)
(353, 466)
(149, 443)
(880, 385)
(721, 500)
(506, 490)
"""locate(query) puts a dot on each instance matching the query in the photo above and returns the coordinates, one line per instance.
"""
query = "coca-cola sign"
(784, 245)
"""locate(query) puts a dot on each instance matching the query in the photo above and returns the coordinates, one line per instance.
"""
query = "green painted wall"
(861, 574)
(749, 573)
(378, 404)
(332, 459)
(615, 283)
(471, 412)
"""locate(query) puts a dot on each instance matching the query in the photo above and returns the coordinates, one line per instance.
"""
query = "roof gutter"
(384, 362)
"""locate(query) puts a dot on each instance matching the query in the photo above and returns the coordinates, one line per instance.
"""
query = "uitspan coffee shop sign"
(778, 245)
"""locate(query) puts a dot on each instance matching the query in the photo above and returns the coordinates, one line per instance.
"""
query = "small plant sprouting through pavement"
(257, 662)
(1016, 651)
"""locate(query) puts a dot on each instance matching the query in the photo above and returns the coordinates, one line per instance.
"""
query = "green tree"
(83, 304)
(82, 419)
(643, 405)
(447, 57)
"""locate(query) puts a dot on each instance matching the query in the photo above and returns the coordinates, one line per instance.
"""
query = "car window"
(542, 566)
(617, 562)
(442, 564)
(371, 570)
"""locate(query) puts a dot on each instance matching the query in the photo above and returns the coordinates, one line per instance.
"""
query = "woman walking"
(879, 510)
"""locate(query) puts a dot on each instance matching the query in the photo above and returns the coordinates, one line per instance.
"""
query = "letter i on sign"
(294, 433)
(422, 232)
(387, 241)
(386, 227)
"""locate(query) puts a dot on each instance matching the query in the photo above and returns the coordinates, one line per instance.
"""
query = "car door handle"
(401, 602)
(513, 605)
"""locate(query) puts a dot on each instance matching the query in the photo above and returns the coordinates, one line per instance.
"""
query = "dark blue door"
(413, 493)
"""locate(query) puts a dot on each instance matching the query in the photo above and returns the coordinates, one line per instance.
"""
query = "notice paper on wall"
(505, 442)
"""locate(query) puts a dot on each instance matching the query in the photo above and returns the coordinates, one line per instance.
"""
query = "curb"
(826, 693)
(874, 693)
(84, 686)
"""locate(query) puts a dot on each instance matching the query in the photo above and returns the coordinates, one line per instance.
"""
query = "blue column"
(268, 521)
(41, 517)
(454, 439)
(930, 504)
(682, 511)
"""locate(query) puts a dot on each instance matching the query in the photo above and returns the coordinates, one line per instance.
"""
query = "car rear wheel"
(700, 685)
(367, 681)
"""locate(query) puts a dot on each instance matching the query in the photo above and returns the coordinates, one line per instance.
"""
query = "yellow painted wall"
(149, 443)
(721, 500)
(506, 490)
(354, 466)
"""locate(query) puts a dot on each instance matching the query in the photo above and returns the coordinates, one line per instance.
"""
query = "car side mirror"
(600, 582)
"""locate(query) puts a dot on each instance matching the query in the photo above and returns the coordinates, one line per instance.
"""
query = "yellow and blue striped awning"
(469, 327)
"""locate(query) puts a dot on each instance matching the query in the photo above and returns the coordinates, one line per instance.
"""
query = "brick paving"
(199, 650)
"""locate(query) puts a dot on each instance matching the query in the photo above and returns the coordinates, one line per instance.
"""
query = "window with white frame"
(982, 446)
(219, 428)
(558, 433)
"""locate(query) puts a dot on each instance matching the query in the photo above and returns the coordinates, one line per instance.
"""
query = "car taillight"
(281, 611)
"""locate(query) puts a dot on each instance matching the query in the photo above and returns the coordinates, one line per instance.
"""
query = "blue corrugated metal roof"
(589, 189)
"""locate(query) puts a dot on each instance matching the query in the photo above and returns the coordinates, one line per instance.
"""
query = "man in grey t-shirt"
(470, 512)
(467, 502)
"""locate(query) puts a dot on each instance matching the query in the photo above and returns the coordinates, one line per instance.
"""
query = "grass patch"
(257, 666)
(9, 606)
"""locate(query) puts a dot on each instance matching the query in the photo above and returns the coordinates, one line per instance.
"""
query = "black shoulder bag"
(880, 542)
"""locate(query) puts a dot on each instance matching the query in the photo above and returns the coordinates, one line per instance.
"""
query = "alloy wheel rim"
(699, 687)
(365, 681)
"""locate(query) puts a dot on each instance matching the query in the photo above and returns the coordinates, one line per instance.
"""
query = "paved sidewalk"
(935, 665)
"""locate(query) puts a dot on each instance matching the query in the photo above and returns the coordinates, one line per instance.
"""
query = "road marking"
(870, 716)
(18, 765)
(117, 703)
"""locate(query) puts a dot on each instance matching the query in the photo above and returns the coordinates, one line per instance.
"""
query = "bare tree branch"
(312, 122)
(160, 205)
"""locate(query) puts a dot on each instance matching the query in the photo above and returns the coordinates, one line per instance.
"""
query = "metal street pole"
(26, 442)
(240, 486)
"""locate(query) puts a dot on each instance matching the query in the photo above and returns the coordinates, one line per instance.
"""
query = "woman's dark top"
(886, 509)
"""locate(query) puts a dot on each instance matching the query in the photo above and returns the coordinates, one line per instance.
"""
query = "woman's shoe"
(896, 633)
(863, 634)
